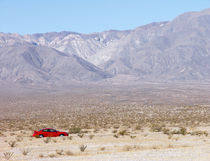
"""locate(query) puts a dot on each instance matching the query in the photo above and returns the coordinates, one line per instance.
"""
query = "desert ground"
(148, 123)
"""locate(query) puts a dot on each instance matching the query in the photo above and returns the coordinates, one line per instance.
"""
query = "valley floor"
(146, 124)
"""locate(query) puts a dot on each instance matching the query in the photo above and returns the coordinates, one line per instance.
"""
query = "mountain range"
(177, 50)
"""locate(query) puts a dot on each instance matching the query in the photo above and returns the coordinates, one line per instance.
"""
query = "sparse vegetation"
(110, 120)
(199, 133)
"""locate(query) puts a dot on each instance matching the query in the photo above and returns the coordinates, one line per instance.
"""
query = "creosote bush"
(75, 130)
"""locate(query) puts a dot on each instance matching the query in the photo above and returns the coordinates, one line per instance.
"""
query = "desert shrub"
(41, 155)
(199, 133)
(116, 126)
(155, 128)
(91, 136)
(170, 136)
(122, 133)
(12, 134)
(170, 146)
(51, 155)
(19, 139)
(81, 135)
(115, 135)
(25, 151)
(132, 137)
(54, 140)
(102, 148)
(82, 148)
(75, 130)
(127, 148)
(59, 152)
(166, 131)
(47, 140)
(96, 130)
(181, 131)
(70, 137)
(8, 155)
(12, 143)
(138, 127)
(68, 152)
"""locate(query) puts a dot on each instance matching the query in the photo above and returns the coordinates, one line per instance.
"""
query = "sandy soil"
(144, 146)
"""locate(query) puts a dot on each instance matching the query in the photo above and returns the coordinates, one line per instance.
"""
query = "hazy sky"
(86, 16)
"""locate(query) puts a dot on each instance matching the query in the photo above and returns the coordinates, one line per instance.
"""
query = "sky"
(87, 16)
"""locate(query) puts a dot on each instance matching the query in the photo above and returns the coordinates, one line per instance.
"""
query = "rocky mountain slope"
(164, 51)
(177, 50)
(31, 64)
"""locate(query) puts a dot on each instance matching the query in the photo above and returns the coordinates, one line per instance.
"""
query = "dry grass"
(25, 151)
(8, 155)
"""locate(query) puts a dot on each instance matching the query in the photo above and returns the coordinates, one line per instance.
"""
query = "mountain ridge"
(177, 50)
